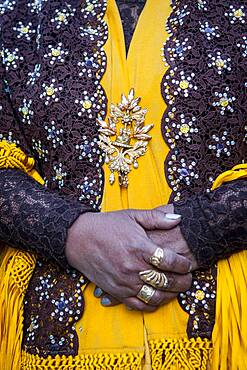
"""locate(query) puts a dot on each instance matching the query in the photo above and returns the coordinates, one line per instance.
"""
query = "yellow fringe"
(166, 354)
(15, 272)
(180, 354)
(100, 361)
(237, 172)
(16, 269)
(230, 330)
(13, 157)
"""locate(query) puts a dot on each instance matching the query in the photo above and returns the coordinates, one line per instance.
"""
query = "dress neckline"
(129, 11)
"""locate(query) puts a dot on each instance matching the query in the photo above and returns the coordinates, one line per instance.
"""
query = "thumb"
(154, 219)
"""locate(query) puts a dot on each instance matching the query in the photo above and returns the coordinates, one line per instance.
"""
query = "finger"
(156, 219)
(98, 292)
(166, 281)
(171, 261)
(159, 298)
(109, 301)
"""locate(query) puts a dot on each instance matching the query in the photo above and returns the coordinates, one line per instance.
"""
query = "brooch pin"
(124, 138)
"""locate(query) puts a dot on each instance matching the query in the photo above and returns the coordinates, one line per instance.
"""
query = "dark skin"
(112, 248)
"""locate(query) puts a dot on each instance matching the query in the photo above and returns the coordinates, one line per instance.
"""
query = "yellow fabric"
(15, 272)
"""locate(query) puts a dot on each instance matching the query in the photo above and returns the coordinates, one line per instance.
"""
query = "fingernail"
(98, 292)
(129, 308)
(172, 216)
(105, 301)
(190, 268)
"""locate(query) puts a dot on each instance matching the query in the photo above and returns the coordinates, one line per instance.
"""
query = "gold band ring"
(154, 278)
(146, 293)
(157, 257)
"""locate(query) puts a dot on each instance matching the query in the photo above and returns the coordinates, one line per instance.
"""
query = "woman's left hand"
(170, 239)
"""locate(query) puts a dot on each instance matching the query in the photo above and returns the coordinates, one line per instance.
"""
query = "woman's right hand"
(110, 249)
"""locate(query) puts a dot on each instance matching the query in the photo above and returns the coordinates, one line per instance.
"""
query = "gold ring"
(157, 257)
(154, 278)
(146, 293)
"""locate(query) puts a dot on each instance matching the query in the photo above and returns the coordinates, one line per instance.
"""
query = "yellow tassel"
(237, 172)
(97, 361)
(16, 269)
(180, 354)
(13, 157)
(15, 272)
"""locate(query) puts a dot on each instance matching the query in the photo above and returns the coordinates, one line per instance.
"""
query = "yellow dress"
(113, 337)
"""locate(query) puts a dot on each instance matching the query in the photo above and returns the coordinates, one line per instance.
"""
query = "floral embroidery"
(36, 5)
(10, 58)
(56, 54)
(224, 101)
(9, 138)
(50, 91)
(24, 31)
(7, 5)
(26, 112)
(33, 76)
(218, 61)
(236, 14)
(209, 31)
(41, 151)
(54, 134)
(221, 144)
(243, 46)
(62, 16)
(60, 174)
(198, 303)
(202, 4)
(87, 148)
(179, 49)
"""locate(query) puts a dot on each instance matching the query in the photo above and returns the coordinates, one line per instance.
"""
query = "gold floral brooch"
(124, 145)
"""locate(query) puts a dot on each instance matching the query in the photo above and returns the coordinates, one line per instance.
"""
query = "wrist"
(77, 238)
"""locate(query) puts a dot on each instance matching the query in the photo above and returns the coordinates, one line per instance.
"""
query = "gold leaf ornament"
(124, 137)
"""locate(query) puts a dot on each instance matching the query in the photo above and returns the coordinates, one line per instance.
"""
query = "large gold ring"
(146, 293)
(154, 278)
(157, 257)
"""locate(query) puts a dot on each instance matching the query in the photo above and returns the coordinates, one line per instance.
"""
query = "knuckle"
(172, 282)
(157, 298)
(170, 260)
(151, 219)
(160, 299)
(188, 281)
(127, 267)
(185, 266)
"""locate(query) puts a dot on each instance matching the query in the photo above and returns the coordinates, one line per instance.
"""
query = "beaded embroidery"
(205, 117)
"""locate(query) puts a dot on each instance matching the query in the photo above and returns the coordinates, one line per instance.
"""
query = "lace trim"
(205, 90)
(52, 95)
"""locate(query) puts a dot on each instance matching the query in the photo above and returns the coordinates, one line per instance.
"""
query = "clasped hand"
(111, 248)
